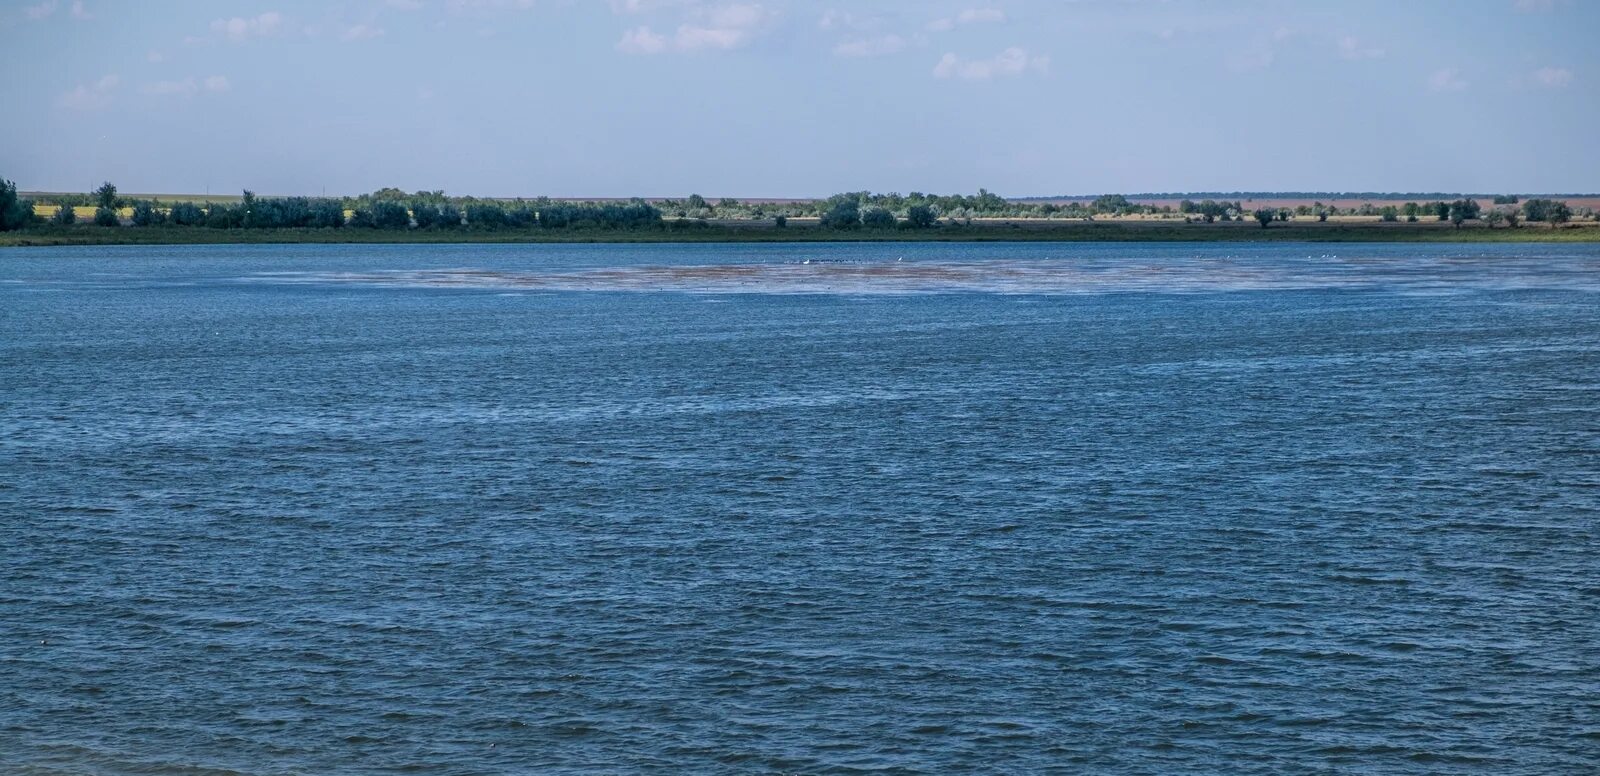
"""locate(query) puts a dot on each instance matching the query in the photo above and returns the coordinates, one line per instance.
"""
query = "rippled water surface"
(817, 508)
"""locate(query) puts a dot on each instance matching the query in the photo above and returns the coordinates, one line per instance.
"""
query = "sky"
(783, 98)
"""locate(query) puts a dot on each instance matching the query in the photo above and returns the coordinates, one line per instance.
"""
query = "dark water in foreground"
(938, 508)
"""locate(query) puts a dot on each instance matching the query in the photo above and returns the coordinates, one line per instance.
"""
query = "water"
(906, 508)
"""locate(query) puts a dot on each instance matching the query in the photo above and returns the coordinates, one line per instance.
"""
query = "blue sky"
(788, 98)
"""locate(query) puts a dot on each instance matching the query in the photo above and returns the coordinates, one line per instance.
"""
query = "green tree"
(1546, 210)
(65, 216)
(390, 215)
(921, 216)
(15, 213)
(781, 222)
(146, 214)
(224, 217)
(1111, 203)
(426, 215)
(845, 214)
(105, 216)
(697, 202)
(106, 196)
(1265, 216)
(186, 214)
(877, 218)
(247, 209)
(486, 215)
(1389, 213)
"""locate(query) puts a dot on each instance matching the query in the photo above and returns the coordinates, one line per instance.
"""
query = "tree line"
(395, 209)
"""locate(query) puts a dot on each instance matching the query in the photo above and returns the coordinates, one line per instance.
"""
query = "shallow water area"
(1131, 508)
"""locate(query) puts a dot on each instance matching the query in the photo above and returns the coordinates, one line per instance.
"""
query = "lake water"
(904, 508)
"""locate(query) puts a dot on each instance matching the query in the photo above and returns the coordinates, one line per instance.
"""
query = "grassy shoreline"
(1048, 231)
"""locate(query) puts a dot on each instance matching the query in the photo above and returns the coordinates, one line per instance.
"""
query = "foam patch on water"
(1198, 275)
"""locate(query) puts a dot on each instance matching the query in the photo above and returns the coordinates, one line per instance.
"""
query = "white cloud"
(630, 7)
(692, 38)
(155, 56)
(90, 96)
(79, 12)
(186, 87)
(404, 5)
(1352, 48)
(241, 28)
(641, 40)
(489, 5)
(361, 32)
(1012, 62)
(845, 20)
(967, 16)
(41, 10)
(976, 15)
(870, 47)
(1552, 77)
(719, 28)
(1447, 80)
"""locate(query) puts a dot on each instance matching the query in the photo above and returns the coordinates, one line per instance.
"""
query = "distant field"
(1294, 202)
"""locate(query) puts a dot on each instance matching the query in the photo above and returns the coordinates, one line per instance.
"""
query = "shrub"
(921, 216)
(845, 214)
(64, 216)
(327, 213)
(224, 217)
(487, 215)
(186, 214)
(877, 218)
(780, 222)
(145, 214)
(104, 216)
(390, 215)
(1554, 211)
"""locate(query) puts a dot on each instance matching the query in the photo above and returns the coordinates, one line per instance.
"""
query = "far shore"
(807, 230)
